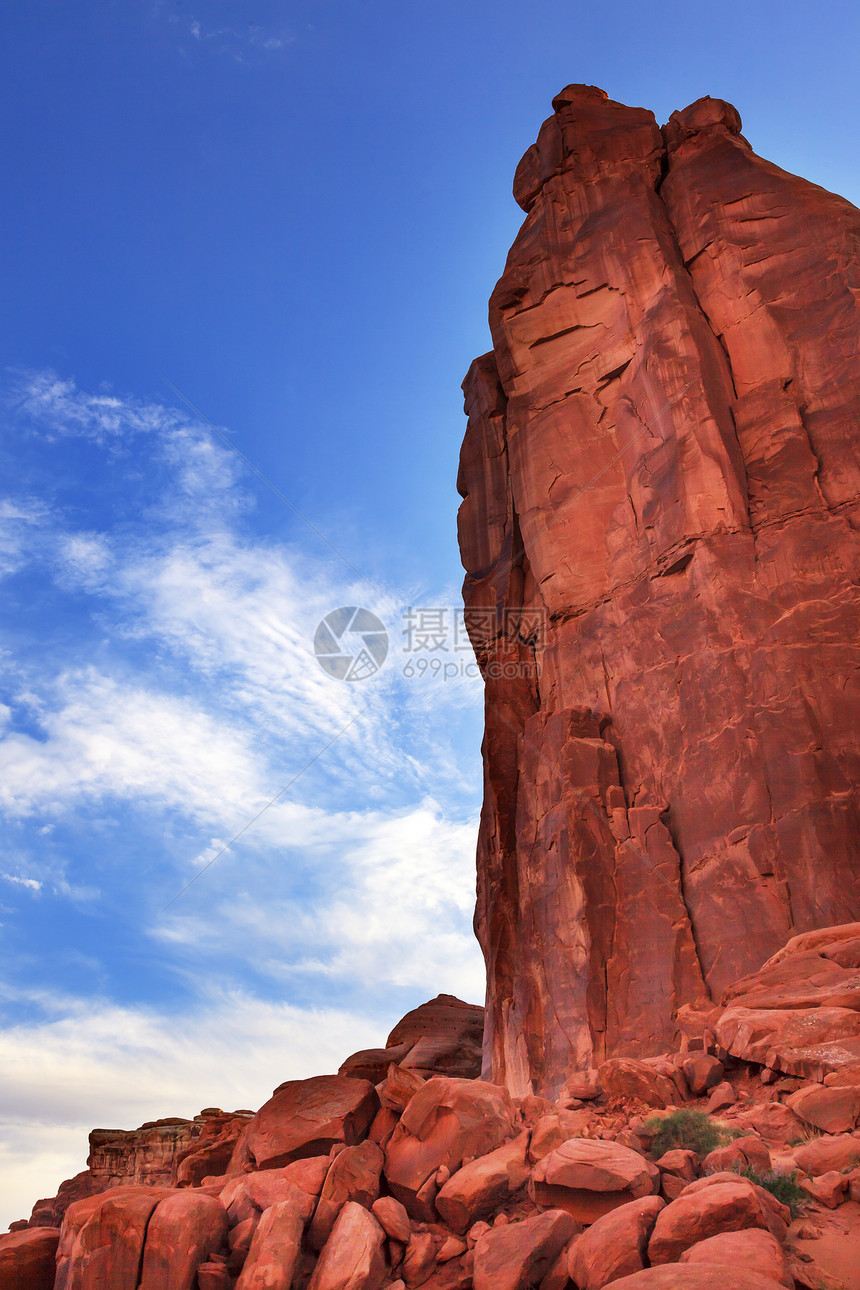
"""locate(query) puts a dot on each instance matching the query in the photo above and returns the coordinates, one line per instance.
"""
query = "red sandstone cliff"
(662, 463)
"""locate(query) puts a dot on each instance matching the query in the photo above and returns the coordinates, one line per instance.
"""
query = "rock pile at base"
(438, 1182)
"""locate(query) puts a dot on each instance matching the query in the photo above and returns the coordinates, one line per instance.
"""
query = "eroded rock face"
(158, 1154)
(660, 475)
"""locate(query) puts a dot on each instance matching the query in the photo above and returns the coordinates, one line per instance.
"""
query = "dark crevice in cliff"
(666, 819)
(146, 1227)
(614, 375)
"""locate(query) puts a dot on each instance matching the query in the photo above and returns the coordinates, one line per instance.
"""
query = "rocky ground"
(406, 1170)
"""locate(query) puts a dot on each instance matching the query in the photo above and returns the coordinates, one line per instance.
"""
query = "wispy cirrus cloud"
(238, 39)
(159, 689)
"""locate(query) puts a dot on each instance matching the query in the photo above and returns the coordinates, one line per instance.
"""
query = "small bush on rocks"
(685, 1130)
(808, 1134)
(783, 1187)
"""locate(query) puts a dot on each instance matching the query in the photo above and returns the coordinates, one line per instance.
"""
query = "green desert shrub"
(784, 1187)
(685, 1130)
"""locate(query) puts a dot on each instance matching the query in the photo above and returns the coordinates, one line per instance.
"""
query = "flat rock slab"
(479, 1189)
(588, 1177)
(307, 1117)
(833, 1110)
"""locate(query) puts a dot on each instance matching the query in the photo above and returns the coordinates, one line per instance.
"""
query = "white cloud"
(196, 697)
(238, 43)
(56, 406)
(21, 520)
(109, 739)
(395, 910)
(32, 884)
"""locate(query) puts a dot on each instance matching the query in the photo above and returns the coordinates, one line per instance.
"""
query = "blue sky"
(294, 214)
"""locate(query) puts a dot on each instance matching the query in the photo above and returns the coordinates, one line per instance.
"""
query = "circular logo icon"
(351, 643)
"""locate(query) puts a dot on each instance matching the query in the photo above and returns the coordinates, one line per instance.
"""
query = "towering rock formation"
(659, 529)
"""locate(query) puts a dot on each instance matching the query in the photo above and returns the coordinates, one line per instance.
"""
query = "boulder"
(398, 1088)
(275, 1250)
(582, 1086)
(101, 1240)
(834, 1110)
(451, 1248)
(694, 1276)
(702, 1211)
(441, 1037)
(240, 1239)
(743, 1153)
(702, 1072)
(518, 1255)
(445, 1037)
(211, 1152)
(249, 1194)
(680, 1163)
(484, 1186)
(840, 1152)
(615, 1245)
(628, 1078)
(373, 1063)
(352, 1258)
(722, 1097)
(589, 1177)
(446, 1122)
(353, 1175)
(807, 1042)
(392, 1217)
(455, 1274)
(677, 1168)
(384, 1124)
(306, 1117)
(550, 1131)
(213, 1276)
(752, 1249)
(183, 1232)
(829, 1189)
(28, 1258)
(419, 1259)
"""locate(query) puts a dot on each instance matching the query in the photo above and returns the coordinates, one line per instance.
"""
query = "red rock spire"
(662, 460)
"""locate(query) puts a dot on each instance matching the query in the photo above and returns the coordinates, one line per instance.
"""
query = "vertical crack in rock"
(662, 461)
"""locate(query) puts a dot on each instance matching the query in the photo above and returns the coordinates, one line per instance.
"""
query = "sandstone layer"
(659, 528)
